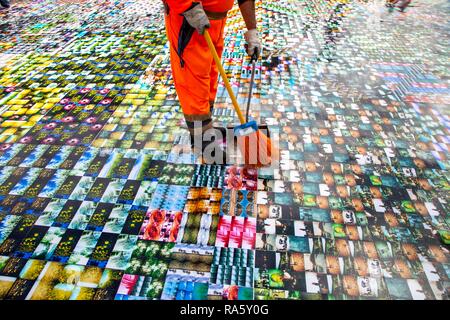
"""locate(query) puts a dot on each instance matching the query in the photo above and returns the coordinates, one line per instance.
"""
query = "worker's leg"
(192, 78)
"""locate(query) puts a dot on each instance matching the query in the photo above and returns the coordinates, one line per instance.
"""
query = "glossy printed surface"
(96, 204)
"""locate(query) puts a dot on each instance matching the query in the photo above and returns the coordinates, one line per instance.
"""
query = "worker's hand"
(253, 45)
(197, 18)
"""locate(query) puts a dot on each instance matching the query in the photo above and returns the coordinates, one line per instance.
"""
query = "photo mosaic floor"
(94, 203)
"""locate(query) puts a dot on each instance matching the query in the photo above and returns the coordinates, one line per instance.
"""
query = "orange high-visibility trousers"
(196, 76)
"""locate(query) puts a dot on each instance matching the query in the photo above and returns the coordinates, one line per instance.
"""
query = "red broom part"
(256, 149)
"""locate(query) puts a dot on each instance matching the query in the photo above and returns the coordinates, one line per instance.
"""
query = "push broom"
(255, 146)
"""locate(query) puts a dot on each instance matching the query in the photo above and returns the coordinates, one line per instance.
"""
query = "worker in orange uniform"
(194, 71)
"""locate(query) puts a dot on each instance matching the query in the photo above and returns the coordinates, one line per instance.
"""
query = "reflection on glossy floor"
(94, 203)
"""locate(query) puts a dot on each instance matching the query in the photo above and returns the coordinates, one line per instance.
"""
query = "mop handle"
(224, 76)
(252, 80)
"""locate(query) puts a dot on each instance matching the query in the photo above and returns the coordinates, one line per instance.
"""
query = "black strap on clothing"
(184, 36)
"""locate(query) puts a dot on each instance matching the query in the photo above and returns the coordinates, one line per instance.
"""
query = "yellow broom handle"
(224, 76)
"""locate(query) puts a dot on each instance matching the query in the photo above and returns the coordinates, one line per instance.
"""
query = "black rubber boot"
(212, 147)
(208, 142)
